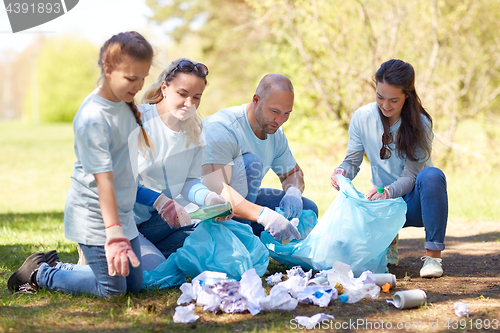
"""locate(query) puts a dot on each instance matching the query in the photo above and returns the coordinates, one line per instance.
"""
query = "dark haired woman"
(395, 132)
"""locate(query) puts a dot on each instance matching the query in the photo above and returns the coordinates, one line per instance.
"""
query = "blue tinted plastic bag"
(353, 230)
(307, 221)
(165, 275)
(229, 247)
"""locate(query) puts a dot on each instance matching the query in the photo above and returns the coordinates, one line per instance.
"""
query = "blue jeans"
(166, 239)
(428, 207)
(266, 197)
(91, 279)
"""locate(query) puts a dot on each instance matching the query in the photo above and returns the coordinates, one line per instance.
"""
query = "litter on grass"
(461, 309)
(216, 292)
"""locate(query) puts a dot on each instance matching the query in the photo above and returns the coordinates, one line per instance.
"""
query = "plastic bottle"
(379, 195)
(212, 211)
(352, 296)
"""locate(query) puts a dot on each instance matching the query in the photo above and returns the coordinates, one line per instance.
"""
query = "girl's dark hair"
(126, 44)
(413, 137)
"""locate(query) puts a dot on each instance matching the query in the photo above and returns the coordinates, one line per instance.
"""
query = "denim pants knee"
(91, 279)
(165, 238)
(266, 197)
(428, 207)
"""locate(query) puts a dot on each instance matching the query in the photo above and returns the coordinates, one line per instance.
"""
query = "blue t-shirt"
(105, 140)
(173, 164)
(365, 134)
(228, 135)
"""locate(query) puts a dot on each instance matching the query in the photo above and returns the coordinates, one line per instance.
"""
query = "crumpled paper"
(298, 271)
(294, 284)
(275, 278)
(251, 289)
(278, 299)
(185, 314)
(187, 294)
(311, 322)
(461, 309)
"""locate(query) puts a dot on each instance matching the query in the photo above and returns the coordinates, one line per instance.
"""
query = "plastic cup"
(409, 298)
(382, 279)
(320, 280)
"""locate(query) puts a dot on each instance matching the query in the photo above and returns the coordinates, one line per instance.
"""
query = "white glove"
(277, 225)
(171, 212)
(291, 203)
(118, 251)
(213, 198)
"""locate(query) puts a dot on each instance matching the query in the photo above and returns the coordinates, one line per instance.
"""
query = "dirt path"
(471, 264)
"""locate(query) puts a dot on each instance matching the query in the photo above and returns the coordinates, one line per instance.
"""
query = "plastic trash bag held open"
(229, 247)
(353, 230)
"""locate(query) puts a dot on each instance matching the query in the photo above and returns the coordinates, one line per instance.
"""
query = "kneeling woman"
(169, 116)
(396, 134)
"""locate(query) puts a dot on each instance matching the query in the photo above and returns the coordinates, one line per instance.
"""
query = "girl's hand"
(373, 195)
(118, 252)
(213, 198)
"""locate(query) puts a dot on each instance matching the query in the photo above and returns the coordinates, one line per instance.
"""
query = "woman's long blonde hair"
(192, 127)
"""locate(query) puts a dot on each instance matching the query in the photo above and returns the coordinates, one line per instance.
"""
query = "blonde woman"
(169, 115)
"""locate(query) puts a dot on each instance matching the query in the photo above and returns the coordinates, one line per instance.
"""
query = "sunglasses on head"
(187, 66)
(385, 152)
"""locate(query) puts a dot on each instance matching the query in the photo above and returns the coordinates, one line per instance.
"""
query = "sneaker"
(24, 279)
(432, 267)
(52, 258)
(392, 253)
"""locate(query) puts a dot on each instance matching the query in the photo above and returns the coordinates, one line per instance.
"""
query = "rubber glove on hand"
(277, 225)
(118, 252)
(213, 198)
(333, 177)
(373, 195)
(171, 212)
(291, 203)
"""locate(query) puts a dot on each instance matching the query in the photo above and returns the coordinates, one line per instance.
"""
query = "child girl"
(98, 214)
(396, 134)
(169, 115)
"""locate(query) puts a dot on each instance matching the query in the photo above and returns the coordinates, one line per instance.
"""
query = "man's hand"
(277, 225)
(291, 203)
(213, 198)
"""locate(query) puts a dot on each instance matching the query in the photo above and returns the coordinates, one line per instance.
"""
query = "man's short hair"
(273, 80)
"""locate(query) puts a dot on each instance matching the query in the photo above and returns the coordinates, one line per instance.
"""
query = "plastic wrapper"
(461, 309)
(317, 295)
(311, 322)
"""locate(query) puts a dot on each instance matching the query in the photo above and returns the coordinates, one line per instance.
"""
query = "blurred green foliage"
(67, 73)
(331, 50)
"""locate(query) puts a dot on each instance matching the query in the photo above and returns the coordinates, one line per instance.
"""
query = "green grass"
(35, 168)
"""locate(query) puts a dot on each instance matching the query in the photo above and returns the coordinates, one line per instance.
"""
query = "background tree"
(67, 72)
(331, 50)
